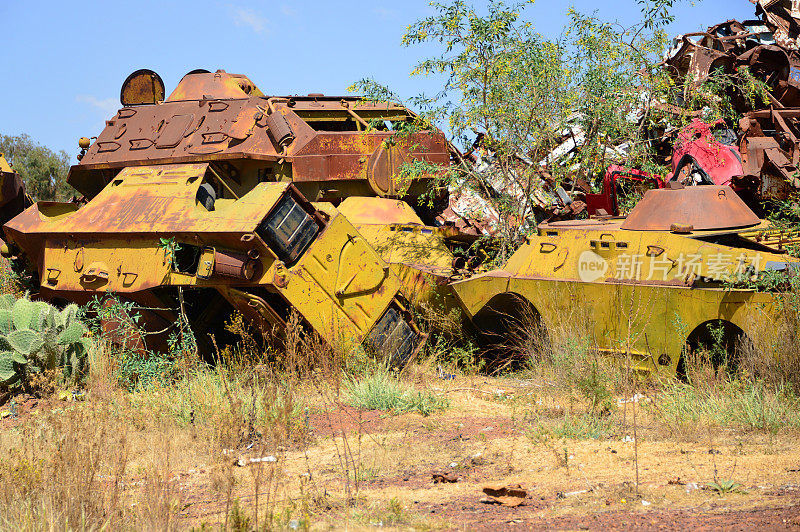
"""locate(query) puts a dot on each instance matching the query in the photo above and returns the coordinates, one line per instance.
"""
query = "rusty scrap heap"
(758, 155)
(766, 142)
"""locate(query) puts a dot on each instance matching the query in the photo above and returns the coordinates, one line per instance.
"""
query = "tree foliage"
(514, 95)
(43, 170)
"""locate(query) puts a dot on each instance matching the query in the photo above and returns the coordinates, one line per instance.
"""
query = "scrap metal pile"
(758, 154)
(766, 142)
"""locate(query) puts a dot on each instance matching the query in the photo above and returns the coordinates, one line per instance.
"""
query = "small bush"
(136, 371)
(381, 391)
(584, 427)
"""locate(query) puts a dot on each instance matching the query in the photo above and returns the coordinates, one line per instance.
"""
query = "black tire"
(207, 196)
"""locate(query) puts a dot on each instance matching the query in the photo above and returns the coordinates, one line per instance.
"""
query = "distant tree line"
(43, 170)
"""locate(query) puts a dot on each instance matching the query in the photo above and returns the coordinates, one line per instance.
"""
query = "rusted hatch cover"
(142, 87)
(173, 131)
(704, 208)
(384, 166)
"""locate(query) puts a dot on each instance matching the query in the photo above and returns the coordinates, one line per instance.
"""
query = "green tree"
(514, 94)
(43, 170)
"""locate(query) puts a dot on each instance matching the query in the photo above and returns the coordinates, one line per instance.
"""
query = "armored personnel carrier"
(201, 203)
(639, 288)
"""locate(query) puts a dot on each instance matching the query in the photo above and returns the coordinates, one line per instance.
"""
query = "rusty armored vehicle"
(642, 287)
(329, 148)
(218, 197)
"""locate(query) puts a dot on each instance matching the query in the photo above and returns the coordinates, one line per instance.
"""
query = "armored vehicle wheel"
(718, 343)
(207, 196)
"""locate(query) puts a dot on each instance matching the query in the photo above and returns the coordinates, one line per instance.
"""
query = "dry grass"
(772, 354)
(270, 439)
(166, 456)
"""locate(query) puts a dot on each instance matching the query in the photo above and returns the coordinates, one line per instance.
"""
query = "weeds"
(741, 404)
(136, 371)
(583, 427)
(381, 391)
(725, 486)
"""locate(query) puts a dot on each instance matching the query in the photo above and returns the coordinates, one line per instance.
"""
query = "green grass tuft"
(381, 391)
(743, 404)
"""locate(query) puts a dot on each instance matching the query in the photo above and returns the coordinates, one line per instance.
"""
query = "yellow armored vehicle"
(146, 235)
(642, 286)
(425, 258)
(196, 204)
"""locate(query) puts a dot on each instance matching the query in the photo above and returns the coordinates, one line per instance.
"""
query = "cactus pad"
(25, 341)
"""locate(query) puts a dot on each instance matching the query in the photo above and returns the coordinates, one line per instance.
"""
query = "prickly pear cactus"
(35, 336)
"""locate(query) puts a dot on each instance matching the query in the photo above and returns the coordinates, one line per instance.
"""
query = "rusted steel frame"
(774, 101)
(776, 117)
(352, 113)
(786, 112)
(222, 182)
(271, 102)
(176, 160)
(737, 36)
(685, 36)
(721, 38)
(779, 161)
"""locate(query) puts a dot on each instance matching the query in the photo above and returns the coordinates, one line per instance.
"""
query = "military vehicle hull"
(639, 288)
(178, 194)
(150, 238)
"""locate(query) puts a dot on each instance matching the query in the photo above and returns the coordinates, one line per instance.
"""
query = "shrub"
(381, 391)
(135, 371)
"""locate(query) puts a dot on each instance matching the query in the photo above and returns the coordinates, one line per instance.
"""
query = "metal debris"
(760, 158)
(507, 495)
(444, 477)
(242, 462)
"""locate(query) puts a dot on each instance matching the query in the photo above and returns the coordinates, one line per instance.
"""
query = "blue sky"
(65, 61)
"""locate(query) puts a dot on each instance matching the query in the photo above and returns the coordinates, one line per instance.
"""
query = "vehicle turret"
(329, 147)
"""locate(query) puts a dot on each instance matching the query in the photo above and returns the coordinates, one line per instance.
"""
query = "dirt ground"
(369, 469)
